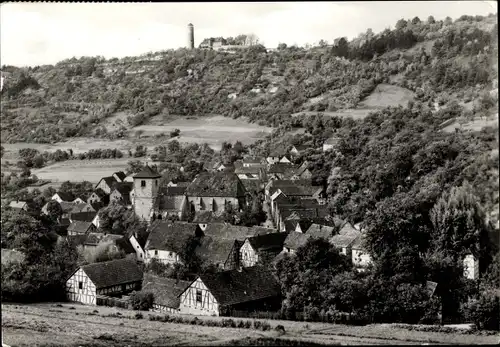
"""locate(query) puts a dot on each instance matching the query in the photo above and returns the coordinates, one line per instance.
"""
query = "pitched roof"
(83, 216)
(173, 190)
(216, 184)
(234, 287)
(124, 188)
(240, 169)
(76, 240)
(254, 185)
(300, 190)
(341, 241)
(348, 229)
(358, 243)
(166, 291)
(66, 196)
(121, 175)
(110, 181)
(252, 160)
(147, 172)
(67, 206)
(215, 251)
(114, 272)
(316, 229)
(80, 207)
(122, 242)
(207, 217)
(100, 193)
(18, 204)
(79, 226)
(170, 236)
(227, 231)
(281, 168)
(93, 238)
(294, 240)
(301, 147)
(267, 241)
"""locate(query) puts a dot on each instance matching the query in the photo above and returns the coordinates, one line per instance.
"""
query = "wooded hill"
(437, 60)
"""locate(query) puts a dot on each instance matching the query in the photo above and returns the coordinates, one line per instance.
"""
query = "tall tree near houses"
(459, 224)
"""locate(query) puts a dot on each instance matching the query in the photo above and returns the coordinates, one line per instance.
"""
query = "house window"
(156, 252)
(80, 285)
(123, 287)
(156, 183)
(143, 183)
(198, 296)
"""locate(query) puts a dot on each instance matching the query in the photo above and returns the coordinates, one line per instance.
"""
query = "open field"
(386, 95)
(79, 170)
(57, 325)
(212, 130)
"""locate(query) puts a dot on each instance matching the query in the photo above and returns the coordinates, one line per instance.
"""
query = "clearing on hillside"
(386, 95)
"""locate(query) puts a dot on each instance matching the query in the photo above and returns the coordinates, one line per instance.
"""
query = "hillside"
(428, 61)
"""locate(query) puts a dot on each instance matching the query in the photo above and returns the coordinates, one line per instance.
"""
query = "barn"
(112, 278)
(221, 293)
(166, 292)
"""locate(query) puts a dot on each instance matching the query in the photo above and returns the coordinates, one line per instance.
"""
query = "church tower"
(146, 186)
(190, 36)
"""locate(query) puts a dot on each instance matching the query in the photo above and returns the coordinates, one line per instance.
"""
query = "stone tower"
(190, 36)
(146, 183)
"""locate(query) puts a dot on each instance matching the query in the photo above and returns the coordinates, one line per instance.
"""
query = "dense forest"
(425, 197)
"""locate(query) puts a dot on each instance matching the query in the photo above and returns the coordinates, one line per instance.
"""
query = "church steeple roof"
(147, 172)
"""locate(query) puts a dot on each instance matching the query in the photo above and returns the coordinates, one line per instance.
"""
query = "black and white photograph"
(249, 173)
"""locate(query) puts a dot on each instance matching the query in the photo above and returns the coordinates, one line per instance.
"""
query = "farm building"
(19, 205)
(80, 228)
(214, 191)
(221, 253)
(106, 184)
(166, 239)
(345, 239)
(67, 197)
(215, 294)
(299, 149)
(98, 196)
(110, 278)
(82, 207)
(261, 249)
(281, 171)
(166, 292)
(121, 193)
(248, 172)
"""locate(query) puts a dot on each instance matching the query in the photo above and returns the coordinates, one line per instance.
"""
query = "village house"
(261, 249)
(215, 191)
(220, 253)
(82, 207)
(166, 240)
(120, 176)
(248, 172)
(221, 293)
(360, 256)
(302, 172)
(302, 209)
(20, 205)
(110, 278)
(298, 149)
(98, 196)
(471, 267)
(253, 162)
(273, 185)
(80, 228)
(331, 144)
(171, 201)
(66, 197)
(166, 292)
(221, 167)
(294, 239)
(280, 171)
(106, 184)
(277, 157)
(92, 217)
(345, 239)
(121, 193)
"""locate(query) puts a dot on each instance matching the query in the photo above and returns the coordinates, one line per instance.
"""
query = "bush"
(248, 324)
(256, 324)
(265, 326)
(484, 312)
(141, 301)
(138, 315)
(280, 329)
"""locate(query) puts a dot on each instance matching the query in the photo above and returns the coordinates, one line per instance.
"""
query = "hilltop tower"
(190, 36)
(146, 183)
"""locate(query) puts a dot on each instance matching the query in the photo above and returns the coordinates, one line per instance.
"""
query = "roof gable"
(80, 226)
(114, 272)
(166, 291)
(238, 286)
(268, 241)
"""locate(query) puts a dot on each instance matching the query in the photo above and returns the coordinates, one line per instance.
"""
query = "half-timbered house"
(261, 249)
(110, 278)
(247, 289)
(80, 228)
(98, 196)
(166, 292)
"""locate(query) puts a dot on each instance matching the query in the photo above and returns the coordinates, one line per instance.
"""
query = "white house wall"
(190, 305)
(166, 257)
(138, 249)
(85, 295)
(360, 258)
(248, 256)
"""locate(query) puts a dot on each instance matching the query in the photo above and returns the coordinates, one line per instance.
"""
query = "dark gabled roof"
(122, 242)
(124, 188)
(207, 217)
(65, 196)
(301, 147)
(170, 236)
(110, 181)
(300, 190)
(100, 193)
(67, 206)
(316, 229)
(215, 251)
(281, 168)
(79, 226)
(147, 172)
(121, 175)
(348, 229)
(234, 287)
(303, 212)
(340, 241)
(83, 216)
(268, 241)
(166, 291)
(216, 184)
(173, 191)
(294, 240)
(77, 208)
(97, 205)
(227, 231)
(114, 272)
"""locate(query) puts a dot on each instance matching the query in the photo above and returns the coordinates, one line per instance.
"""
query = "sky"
(45, 33)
